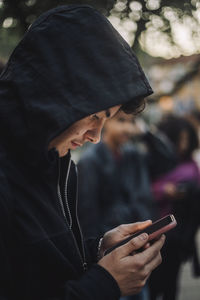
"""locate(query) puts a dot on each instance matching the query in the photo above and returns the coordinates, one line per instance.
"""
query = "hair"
(135, 106)
(172, 127)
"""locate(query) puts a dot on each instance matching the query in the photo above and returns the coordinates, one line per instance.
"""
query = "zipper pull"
(85, 266)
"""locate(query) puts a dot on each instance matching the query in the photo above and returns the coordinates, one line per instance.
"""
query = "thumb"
(134, 244)
(127, 229)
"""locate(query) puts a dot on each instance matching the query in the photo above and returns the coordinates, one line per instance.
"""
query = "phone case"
(154, 231)
(163, 229)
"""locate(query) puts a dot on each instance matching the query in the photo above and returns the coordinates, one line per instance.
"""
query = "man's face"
(86, 130)
(120, 128)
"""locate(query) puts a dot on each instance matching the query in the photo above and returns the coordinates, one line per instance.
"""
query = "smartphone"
(154, 231)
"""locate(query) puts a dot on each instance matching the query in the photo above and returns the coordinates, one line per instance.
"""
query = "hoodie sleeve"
(92, 248)
(96, 284)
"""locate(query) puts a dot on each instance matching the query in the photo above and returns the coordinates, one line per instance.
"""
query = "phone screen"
(158, 225)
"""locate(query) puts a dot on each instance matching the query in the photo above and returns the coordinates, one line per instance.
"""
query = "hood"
(71, 63)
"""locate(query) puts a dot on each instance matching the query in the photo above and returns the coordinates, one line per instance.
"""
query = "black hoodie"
(71, 63)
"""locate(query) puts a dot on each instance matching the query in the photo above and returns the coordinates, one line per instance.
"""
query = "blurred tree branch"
(17, 15)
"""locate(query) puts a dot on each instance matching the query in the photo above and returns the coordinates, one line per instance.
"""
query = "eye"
(121, 120)
(95, 117)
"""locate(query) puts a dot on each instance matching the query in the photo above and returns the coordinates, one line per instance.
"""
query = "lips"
(75, 144)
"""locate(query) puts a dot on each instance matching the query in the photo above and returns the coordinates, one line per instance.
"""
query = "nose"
(94, 135)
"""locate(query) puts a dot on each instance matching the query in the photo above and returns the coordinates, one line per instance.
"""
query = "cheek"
(119, 129)
(82, 127)
(80, 132)
(116, 134)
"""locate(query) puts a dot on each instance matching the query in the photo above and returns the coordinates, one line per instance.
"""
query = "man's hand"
(132, 271)
(121, 232)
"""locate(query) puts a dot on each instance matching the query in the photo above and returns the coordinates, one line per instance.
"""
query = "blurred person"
(177, 191)
(113, 182)
(156, 147)
(194, 118)
(184, 139)
(69, 74)
(116, 173)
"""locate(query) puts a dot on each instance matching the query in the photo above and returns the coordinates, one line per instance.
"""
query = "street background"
(189, 286)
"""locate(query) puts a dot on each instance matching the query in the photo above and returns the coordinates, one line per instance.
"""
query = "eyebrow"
(107, 113)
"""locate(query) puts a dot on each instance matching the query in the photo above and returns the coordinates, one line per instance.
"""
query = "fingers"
(155, 262)
(149, 259)
(151, 252)
(131, 272)
(133, 245)
(131, 228)
(147, 245)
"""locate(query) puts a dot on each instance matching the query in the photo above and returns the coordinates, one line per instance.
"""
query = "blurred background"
(165, 35)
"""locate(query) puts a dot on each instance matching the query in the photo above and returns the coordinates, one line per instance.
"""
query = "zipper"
(65, 195)
(65, 192)
(59, 192)
(83, 260)
(81, 234)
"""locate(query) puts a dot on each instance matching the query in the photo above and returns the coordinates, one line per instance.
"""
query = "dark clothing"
(70, 64)
(112, 189)
(160, 153)
(179, 247)
(44, 254)
(185, 174)
(180, 244)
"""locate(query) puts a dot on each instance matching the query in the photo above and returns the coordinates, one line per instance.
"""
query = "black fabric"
(161, 155)
(180, 244)
(70, 63)
(113, 191)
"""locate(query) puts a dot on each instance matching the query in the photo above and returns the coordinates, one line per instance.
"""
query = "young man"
(69, 74)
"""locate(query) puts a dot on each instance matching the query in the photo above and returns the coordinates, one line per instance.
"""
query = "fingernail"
(144, 236)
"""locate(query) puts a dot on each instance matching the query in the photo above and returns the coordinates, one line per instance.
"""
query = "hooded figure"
(70, 64)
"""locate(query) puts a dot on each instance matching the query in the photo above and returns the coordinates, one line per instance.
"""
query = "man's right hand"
(132, 271)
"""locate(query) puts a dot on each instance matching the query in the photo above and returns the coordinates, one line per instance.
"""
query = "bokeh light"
(156, 40)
